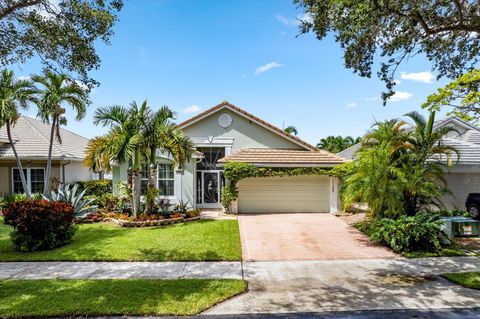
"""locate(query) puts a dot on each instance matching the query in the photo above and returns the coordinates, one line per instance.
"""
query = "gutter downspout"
(63, 171)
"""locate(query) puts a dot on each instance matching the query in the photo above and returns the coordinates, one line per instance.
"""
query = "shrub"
(71, 194)
(453, 213)
(421, 232)
(97, 187)
(17, 198)
(39, 224)
(193, 213)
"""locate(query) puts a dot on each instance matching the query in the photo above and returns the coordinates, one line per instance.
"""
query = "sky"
(192, 55)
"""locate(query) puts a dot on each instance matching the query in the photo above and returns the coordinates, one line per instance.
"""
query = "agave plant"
(69, 193)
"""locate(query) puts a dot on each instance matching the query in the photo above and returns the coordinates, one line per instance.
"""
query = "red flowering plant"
(40, 224)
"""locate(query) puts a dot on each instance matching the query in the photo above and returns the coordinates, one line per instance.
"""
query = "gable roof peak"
(249, 116)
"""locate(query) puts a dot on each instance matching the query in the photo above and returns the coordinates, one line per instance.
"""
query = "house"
(463, 176)
(31, 138)
(227, 133)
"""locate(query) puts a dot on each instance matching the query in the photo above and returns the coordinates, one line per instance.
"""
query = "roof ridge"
(39, 133)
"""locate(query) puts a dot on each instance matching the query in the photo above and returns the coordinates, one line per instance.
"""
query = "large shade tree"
(53, 92)
(446, 32)
(15, 95)
(63, 34)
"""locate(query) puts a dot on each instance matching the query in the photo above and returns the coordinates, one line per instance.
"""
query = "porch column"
(335, 203)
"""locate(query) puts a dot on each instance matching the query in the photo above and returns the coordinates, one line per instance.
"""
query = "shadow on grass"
(196, 241)
(22, 298)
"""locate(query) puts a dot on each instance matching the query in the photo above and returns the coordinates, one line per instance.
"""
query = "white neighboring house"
(31, 138)
(464, 175)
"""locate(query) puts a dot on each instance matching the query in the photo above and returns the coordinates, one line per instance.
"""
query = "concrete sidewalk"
(352, 285)
(120, 270)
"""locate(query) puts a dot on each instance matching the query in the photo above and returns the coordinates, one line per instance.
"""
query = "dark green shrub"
(97, 187)
(421, 232)
(40, 224)
(453, 212)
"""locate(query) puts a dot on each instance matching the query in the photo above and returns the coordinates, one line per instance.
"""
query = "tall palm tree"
(57, 90)
(14, 96)
(160, 132)
(124, 140)
(291, 130)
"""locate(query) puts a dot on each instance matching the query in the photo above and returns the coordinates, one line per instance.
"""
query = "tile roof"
(281, 157)
(31, 138)
(236, 109)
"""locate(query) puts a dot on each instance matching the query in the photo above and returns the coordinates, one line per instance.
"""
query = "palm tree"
(123, 143)
(291, 130)
(160, 132)
(336, 144)
(14, 95)
(57, 90)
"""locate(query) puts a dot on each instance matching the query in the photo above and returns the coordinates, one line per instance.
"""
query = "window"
(166, 180)
(35, 180)
(211, 155)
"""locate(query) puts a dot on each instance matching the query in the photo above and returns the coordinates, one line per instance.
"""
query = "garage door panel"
(298, 194)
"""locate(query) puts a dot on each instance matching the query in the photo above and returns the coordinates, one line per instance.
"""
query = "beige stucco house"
(463, 176)
(227, 133)
(31, 138)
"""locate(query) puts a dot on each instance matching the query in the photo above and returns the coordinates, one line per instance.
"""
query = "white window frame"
(27, 177)
(166, 179)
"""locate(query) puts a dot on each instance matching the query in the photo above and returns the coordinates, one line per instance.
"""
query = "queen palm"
(54, 92)
(160, 132)
(14, 96)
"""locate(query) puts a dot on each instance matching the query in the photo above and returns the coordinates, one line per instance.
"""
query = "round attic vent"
(225, 120)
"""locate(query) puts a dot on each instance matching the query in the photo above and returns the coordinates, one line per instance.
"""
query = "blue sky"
(192, 54)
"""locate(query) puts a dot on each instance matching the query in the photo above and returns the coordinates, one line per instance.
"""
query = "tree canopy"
(61, 35)
(447, 32)
(336, 144)
(463, 95)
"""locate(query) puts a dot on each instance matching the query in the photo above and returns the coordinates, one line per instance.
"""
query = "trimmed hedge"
(97, 187)
(40, 224)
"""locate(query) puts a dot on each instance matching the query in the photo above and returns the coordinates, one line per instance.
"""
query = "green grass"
(450, 251)
(465, 279)
(42, 298)
(195, 241)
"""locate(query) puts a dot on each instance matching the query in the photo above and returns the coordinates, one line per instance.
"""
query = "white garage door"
(297, 194)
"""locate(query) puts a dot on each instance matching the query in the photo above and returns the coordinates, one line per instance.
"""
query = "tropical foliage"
(463, 95)
(15, 95)
(135, 134)
(398, 170)
(291, 130)
(71, 194)
(447, 33)
(55, 91)
(336, 144)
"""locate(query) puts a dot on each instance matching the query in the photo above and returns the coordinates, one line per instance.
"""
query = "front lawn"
(465, 279)
(204, 240)
(134, 297)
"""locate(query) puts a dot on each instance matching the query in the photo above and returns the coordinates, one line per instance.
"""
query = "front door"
(210, 178)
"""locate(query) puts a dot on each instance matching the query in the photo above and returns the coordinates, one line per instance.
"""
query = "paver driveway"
(270, 237)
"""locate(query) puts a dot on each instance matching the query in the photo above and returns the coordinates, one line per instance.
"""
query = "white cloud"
(372, 98)
(400, 96)
(425, 77)
(142, 53)
(264, 68)
(294, 21)
(192, 109)
(352, 105)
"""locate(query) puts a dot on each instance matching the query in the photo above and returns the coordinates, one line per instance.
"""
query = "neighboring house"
(227, 133)
(31, 138)
(464, 175)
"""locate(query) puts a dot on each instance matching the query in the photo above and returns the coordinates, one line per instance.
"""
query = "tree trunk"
(136, 190)
(19, 163)
(46, 188)
(152, 181)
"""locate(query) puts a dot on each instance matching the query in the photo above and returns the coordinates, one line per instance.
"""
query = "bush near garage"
(421, 232)
(40, 224)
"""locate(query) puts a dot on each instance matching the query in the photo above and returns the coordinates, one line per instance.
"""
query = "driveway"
(280, 237)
